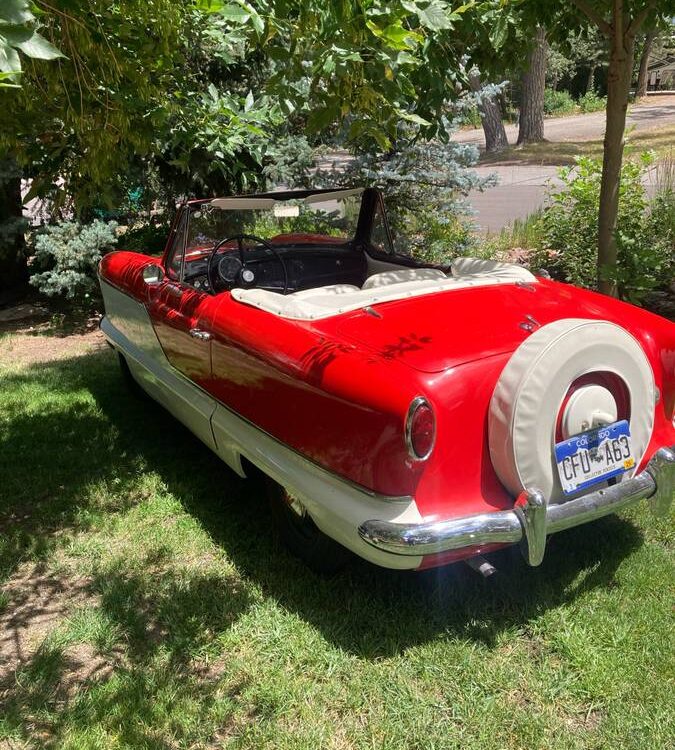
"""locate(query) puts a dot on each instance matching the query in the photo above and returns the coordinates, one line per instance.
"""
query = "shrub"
(558, 102)
(69, 254)
(470, 117)
(515, 243)
(438, 238)
(645, 232)
(147, 238)
(591, 102)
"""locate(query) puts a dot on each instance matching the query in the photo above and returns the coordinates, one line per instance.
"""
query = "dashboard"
(307, 267)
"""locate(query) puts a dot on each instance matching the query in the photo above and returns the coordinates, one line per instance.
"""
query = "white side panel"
(128, 327)
(130, 319)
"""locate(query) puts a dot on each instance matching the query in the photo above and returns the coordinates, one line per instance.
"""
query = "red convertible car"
(415, 415)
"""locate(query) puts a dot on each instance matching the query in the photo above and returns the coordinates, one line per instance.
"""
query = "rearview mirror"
(153, 274)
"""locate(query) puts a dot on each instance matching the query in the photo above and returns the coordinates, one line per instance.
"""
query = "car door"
(182, 315)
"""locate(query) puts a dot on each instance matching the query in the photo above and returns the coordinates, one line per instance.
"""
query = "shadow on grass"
(365, 610)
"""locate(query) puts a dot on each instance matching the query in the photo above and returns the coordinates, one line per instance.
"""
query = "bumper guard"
(531, 520)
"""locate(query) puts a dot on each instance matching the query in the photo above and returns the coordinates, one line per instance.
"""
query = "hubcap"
(590, 406)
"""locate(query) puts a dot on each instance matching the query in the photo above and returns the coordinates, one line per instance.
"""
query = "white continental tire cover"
(531, 389)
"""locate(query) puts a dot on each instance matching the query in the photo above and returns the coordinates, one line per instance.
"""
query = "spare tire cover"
(531, 389)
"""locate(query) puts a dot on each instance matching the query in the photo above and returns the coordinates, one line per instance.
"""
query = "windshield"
(317, 218)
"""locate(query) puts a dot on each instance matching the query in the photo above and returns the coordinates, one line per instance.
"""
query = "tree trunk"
(641, 89)
(619, 75)
(590, 81)
(13, 268)
(531, 125)
(490, 117)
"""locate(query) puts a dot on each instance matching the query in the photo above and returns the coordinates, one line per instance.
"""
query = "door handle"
(174, 291)
(197, 333)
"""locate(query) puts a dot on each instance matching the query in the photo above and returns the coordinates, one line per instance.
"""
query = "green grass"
(182, 624)
(553, 153)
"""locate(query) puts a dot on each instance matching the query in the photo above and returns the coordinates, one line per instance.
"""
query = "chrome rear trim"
(531, 519)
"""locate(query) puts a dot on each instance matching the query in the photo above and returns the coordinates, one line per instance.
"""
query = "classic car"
(409, 413)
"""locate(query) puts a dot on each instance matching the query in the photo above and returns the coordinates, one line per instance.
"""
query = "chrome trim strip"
(531, 519)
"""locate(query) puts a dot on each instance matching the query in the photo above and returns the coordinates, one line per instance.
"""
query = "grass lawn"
(554, 153)
(145, 603)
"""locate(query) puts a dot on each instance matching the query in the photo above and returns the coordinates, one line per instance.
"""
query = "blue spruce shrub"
(69, 253)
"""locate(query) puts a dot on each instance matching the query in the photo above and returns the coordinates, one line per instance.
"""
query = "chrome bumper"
(531, 519)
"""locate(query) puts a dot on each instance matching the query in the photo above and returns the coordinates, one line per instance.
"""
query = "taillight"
(420, 429)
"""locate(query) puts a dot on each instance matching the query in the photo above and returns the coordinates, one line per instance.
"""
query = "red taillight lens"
(420, 430)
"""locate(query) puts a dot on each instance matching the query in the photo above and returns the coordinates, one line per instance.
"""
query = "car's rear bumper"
(531, 519)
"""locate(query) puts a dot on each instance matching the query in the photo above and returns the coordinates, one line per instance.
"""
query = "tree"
(533, 83)
(641, 88)
(490, 115)
(619, 21)
(17, 35)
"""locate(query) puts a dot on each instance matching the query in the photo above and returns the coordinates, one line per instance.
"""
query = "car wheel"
(129, 379)
(301, 536)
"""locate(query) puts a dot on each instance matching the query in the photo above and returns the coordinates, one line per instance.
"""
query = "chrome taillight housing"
(420, 429)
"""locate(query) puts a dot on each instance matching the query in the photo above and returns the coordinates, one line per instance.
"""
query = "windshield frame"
(371, 201)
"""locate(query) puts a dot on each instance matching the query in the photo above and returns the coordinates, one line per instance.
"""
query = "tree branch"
(593, 14)
(618, 23)
(639, 19)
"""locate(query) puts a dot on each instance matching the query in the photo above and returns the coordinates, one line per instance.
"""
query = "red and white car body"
(416, 414)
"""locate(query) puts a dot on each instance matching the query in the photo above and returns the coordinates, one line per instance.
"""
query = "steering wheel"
(230, 271)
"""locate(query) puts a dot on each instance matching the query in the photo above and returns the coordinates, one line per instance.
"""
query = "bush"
(146, 238)
(558, 102)
(470, 117)
(69, 253)
(591, 102)
(645, 232)
(514, 243)
(438, 238)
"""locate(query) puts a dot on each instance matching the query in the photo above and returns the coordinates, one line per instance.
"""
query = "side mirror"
(153, 274)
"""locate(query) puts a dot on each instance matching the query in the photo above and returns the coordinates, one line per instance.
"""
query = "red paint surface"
(337, 390)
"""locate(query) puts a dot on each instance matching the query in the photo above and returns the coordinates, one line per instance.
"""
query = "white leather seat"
(327, 301)
(326, 290)
(402, 275)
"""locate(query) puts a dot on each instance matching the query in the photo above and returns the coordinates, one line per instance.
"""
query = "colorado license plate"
(594, 456)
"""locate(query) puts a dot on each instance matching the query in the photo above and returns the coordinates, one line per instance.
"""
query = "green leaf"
(412, 117)
(395, 35)
(256, 19)
(209, 6)
(235, 13)
(4, 78)
(434, 16)
(15, 12)
(32, 44)
(499, 31)
(9, 59)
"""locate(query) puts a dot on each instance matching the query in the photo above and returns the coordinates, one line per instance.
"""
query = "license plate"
(594, 456)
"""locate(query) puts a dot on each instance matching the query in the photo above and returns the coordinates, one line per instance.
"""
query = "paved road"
(522, 188)
(656, 112)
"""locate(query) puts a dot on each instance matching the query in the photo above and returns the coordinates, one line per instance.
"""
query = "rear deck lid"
(435, 332)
